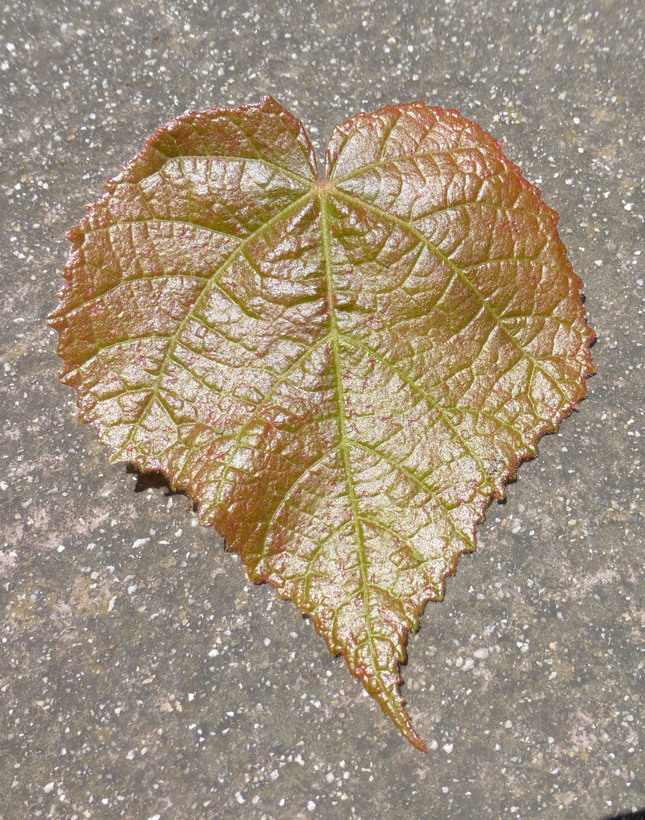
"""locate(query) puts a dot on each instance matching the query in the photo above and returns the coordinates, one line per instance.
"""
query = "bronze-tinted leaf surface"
(341, 371)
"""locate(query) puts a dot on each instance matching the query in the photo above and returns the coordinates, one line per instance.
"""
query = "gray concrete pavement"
(141, 674)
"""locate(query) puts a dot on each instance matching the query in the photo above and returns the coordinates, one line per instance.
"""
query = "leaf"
(342, 372)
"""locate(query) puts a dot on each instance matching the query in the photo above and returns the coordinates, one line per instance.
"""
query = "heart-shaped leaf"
(341, 372)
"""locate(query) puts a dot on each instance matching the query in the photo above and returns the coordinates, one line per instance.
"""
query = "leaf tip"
(416, 741)
(391, 702)
(403, 723)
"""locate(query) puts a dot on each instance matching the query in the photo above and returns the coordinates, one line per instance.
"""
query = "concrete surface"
(141, 674)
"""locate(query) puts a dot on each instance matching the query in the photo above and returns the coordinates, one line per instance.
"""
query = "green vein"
(342, 409)
(488, 414)
(306, 578)
(404, 157)
(164, 220)
(458, 271)
(147, 337)
(133, 279)
(274, 515)
(212, 282)
(342, 435)
(424, 394)
(387, 697)
(398, 465)
(294, 175)
(477, 203)
(218, 330)
(280, 168)
(258, 409)
(127, 391)
(414, 552)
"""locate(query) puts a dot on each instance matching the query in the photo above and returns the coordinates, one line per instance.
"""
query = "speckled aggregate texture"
(141, 674)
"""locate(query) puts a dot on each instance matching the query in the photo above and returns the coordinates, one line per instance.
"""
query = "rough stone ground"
(141, 674)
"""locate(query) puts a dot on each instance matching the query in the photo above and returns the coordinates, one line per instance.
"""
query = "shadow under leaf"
(154, 480)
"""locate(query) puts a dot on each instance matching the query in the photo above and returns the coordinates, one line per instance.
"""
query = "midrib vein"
(342, 434)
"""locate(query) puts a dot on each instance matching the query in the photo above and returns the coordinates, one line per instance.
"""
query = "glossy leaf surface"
(341, 372)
